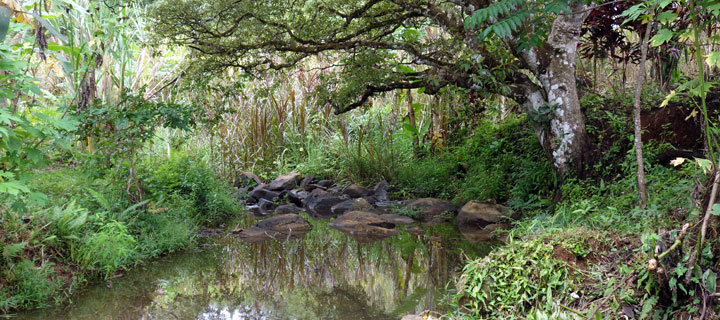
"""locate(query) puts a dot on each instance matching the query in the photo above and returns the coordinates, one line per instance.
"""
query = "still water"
(322, 275)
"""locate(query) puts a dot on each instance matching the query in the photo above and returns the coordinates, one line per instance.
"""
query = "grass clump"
(32, 286)
(513, 279)
(107, 250)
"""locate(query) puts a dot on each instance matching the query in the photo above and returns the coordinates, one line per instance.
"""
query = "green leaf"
(662, 36)
(404, 68)
(667, 98)
(712, 6)
(713, 59)
(410, 129)
(13, 187)
(634, 12)
(715, 209)
(704, 164)
(37, 198)
(557, 7)
(35, 155)
(664, 3)
(666, 16)
(710, 280)
(49, 27)
(647, 307)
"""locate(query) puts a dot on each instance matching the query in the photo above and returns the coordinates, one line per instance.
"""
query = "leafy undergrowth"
(502, 161)
(597, 256)
(91, 228)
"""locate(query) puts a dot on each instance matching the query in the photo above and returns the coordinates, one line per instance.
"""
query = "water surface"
(323, 275)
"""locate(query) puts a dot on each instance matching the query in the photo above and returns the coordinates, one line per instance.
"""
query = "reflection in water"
(324, 275)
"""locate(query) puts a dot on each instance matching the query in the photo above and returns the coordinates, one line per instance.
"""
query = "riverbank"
(90, 225)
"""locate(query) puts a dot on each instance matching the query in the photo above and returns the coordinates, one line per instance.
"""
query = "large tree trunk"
(554, 104)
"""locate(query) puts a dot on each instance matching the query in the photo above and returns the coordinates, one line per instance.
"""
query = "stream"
(323, 275)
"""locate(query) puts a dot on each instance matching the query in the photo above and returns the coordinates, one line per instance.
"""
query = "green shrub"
(431, 177)
(192, 180)
(164, 234)
(61, 185)
(316, 158)
(167, 226)
(504, 162)
(513, 279)
(107, 250)
(371, 149)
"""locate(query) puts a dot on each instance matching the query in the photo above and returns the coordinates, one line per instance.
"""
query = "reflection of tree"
(324, 275)
(386, 271)
(343, 301)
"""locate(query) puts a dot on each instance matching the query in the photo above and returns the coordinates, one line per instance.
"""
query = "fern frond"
(492, 12)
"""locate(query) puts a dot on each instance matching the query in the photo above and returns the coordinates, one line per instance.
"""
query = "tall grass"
(268, 119)
(275, 124)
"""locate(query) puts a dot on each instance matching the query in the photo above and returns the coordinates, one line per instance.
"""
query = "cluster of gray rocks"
(366, 214)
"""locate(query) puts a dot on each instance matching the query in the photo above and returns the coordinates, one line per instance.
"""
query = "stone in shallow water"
(255, 234)
(430, 207)
(320, 204)
(486, 233)
(285, 223)
(477, 220)
(350, 205)
(364, 226)
(397, 219)
(280, 227)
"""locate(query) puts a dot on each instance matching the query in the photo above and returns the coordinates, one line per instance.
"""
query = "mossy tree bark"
(554, 104)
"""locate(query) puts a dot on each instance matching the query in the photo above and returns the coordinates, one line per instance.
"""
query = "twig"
(571, 310)
(602, 302)
(163, 87)
(677, 242)
(708, 210)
